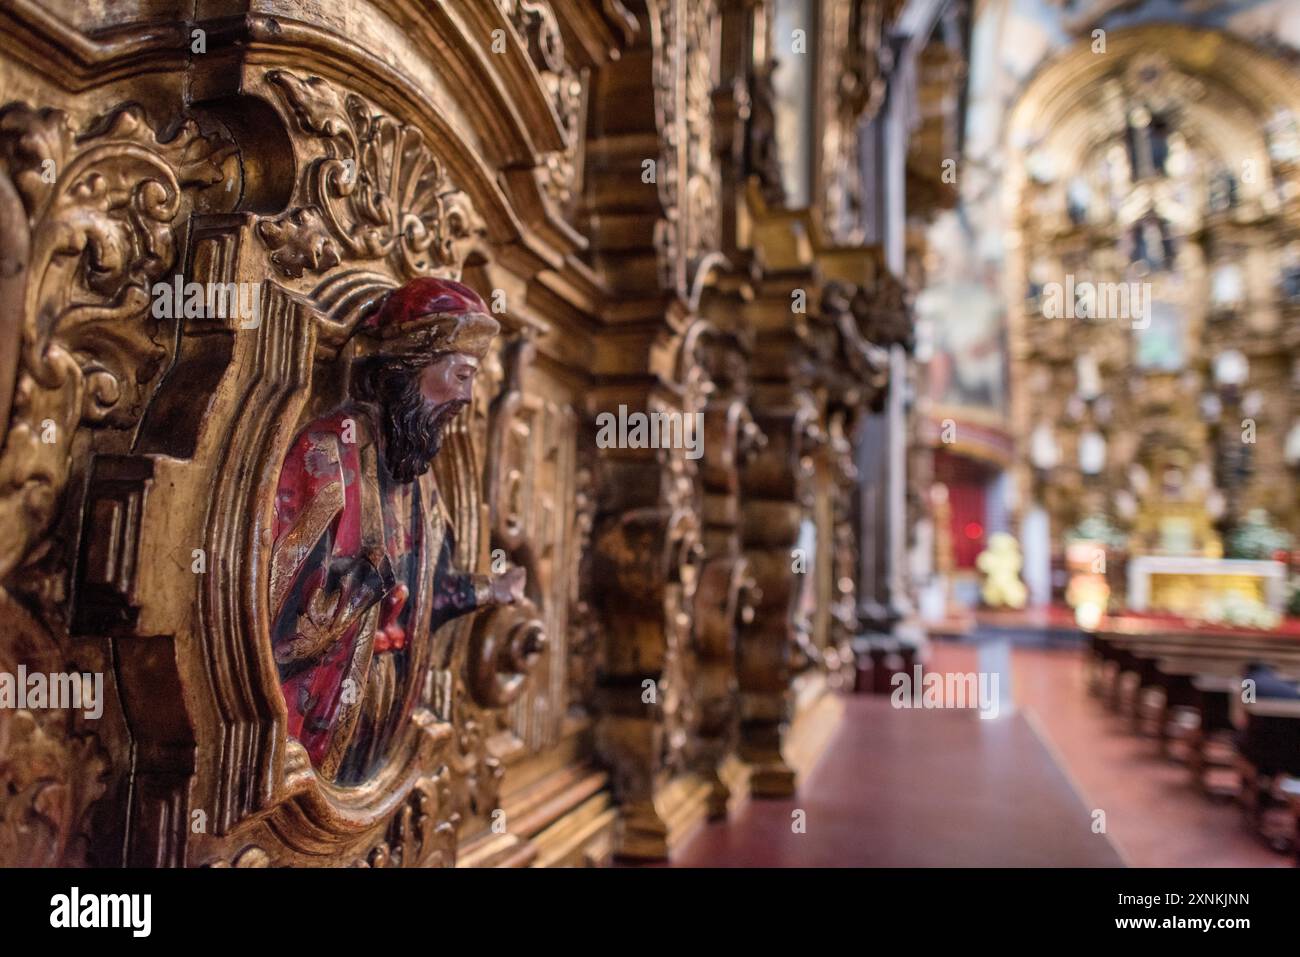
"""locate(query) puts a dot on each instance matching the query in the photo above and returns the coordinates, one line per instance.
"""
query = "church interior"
(643, 434)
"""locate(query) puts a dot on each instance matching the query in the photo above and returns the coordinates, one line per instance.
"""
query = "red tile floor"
(899, 787)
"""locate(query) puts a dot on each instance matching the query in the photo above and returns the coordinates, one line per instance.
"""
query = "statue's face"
(420, 407)
(449, 378)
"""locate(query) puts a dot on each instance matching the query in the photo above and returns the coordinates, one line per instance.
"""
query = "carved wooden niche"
(179, 529)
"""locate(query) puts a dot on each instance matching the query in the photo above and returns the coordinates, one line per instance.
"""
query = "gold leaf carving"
(51, 769)
(100, 207)
(377, 193)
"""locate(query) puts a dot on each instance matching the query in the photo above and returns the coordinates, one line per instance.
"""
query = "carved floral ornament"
(378, 192)
(688, 183)
(52, 770)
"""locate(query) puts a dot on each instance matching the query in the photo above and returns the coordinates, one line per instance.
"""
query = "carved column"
(652, 200)
(776, 497)
(725, 598)
(883, 314)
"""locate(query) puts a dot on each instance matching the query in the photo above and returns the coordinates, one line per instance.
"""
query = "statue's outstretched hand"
(508, 588)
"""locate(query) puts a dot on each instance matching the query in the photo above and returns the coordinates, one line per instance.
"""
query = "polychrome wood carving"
(363, 562)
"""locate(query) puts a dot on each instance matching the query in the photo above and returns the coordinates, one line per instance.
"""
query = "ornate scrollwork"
(248, 856)
(508, 643)
(88, 221)
(419, 835)
(763, 160)
(585, 642)
(475, 786)
(853, 366)
(378, 192)
(539, 28)
(884, 312)
(728, 594)
(52, 768)
(853, 89)
(689, 182)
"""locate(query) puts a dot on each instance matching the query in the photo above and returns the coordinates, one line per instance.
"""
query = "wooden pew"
(1137, 651)
(1168, 669)
(1171, 670)
(1197, 669)
(1175, 677)
(1141, 658)
(1290, 788)
(1269, 750)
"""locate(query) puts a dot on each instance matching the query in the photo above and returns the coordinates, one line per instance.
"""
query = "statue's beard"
(413, 429)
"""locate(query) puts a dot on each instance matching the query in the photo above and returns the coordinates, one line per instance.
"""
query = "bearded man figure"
(361, 569)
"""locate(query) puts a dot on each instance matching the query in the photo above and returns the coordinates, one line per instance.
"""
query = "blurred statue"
(1001, 563)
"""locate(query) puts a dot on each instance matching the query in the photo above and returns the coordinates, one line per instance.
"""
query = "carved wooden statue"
(362, 561)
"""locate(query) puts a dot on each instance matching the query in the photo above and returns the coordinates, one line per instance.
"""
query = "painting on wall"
(967, 363)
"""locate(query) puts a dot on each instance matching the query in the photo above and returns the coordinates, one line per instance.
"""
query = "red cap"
(432, 316)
